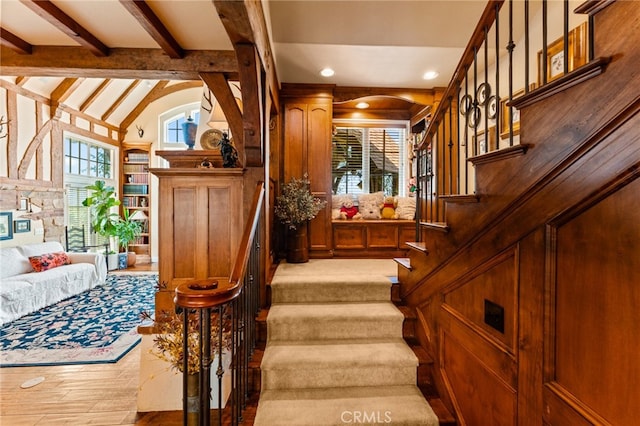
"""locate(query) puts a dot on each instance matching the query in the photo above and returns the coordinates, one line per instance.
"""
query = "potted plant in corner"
(127, 230)
(101, 201)
(295, 207)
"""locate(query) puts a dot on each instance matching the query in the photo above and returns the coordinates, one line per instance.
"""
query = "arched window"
(171, 121)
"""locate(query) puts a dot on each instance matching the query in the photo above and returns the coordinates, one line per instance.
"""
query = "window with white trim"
(171, 124)
(85, 162)
(369, 159)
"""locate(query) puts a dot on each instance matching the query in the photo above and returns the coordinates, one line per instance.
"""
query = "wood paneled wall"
(529, 303)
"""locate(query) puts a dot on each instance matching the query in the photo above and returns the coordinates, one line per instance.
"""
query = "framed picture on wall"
(480, 141)
(576, 55)
(6, 226)
(22, 225)
(505, 116)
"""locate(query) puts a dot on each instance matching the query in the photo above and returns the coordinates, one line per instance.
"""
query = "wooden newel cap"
(197, 294)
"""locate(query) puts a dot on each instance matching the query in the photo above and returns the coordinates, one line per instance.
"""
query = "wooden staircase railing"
(235, 305)
(478, 114)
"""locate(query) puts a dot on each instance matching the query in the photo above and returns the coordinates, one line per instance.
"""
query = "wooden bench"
(372, 238)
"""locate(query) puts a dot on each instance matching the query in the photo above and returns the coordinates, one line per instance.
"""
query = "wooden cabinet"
(372, 238)
(199, 226)
(307, 153)
(136, 195)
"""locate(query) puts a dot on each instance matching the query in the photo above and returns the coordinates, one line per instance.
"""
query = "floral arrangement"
(168, 342)
(296, 204)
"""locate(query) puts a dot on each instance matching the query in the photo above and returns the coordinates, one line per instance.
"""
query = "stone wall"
(45, 210)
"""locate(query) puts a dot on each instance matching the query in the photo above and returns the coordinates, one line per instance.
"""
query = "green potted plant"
(295, 207)
(127, 230)
(101, 201)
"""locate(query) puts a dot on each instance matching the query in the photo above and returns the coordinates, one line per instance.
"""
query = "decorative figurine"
(228, 152)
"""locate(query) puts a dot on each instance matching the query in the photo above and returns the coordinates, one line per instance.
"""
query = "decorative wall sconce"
(140, 131)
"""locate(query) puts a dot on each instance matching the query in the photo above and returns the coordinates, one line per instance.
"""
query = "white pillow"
(406, 208)
(41, 248)
(376, 198)
(13, 263)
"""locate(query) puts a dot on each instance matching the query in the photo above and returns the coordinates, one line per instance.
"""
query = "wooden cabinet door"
(200, 227)
(307, 153)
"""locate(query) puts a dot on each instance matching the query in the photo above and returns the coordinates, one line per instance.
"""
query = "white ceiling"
(371, 43)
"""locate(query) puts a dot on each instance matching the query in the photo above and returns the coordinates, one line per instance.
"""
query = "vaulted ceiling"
(106, 58)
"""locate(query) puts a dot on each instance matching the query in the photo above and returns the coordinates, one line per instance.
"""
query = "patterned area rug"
(96, 326)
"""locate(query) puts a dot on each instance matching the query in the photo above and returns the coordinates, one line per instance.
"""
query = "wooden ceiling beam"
(154, 26)
(251, 82)
(219, 86)
(120, 99)
(161, 89)
(94, 95)
(21, 80)
(151, 64)
(14, 42)
(56, 17)
(65, 89)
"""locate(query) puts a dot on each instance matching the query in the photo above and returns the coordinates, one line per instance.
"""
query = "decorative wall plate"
(482, 93)
(465, 104)
(210, 139)
(492, 107)
(474, 117)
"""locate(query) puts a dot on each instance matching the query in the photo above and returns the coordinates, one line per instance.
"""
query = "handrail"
(220, 295)
(478, 112)
(475, 42)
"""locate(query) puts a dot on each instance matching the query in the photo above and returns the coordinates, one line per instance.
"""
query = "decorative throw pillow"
(376, 198)
(48, 261)
(406, 208)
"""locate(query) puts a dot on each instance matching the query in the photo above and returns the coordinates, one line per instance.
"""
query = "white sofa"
(22, 290)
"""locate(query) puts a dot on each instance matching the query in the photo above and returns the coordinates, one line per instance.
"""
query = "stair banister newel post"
(235, 302)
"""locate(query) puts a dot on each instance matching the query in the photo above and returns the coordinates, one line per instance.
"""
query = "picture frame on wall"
(480, 141)
(22, 225)
(577, 55)
(24, 204)
(6, 226)
(505, 117)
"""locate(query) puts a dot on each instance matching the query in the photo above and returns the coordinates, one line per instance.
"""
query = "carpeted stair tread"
(330, 288)
(334, 321)
(397, 405)
(297, 365)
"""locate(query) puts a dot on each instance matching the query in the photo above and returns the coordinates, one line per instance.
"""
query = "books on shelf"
(136, 189)
(135, 168)
(140, 178)
(138, 157)
(134, 201)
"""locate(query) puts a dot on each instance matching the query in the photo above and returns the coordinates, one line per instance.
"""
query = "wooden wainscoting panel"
(594, 337)
(349, 237)
(480, 396)
(382, 236)
(221, 241)
(487, 293)
(185, 208)
(494, 357)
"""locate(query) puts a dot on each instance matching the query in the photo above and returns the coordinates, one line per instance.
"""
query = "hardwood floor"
(96, 394)
(87, 394)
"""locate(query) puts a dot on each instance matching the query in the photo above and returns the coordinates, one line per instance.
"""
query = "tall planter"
(298, 244)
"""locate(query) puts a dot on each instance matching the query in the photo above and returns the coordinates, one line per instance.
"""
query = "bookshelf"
(136, 195)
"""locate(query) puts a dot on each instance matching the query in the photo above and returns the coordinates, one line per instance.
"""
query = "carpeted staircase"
(335, 353)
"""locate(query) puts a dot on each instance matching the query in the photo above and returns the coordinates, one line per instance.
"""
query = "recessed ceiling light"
(327, 72)
(362, 105)
(430, 75)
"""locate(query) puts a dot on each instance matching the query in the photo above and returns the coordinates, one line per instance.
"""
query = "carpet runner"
(335, 353)
(96, 326)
